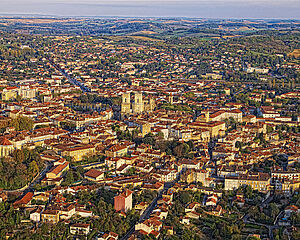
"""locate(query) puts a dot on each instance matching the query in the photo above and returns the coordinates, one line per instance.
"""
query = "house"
(6, 147)
(149, 225)
(80, 229)
(258, 181)
(211, 200)
(24, 201)
(77, 151)
(51, 216)
(216, 128)
(291, 209)
(9, 93)
(123, 202)
(108, 236)
(94, 175)
(57, 171)
(3, 196)
(185, 220)
(83, 213)
(35, 215)
(141, 207)
(116, 151)
(43, 197)
(192, 207)
(66, 211)
(193, 215)
(215, 210)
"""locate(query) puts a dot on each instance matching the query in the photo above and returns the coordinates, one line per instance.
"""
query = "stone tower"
(152, 104)
(207, 116)
(138, 105)
(170, 99)
(125, 107)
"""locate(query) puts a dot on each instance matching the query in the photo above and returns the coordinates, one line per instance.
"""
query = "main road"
(72, 80)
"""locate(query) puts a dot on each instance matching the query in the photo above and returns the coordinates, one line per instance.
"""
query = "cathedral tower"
(138, 105)
(125, 107)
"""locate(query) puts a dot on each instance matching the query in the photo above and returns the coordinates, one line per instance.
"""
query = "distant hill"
(295, 53)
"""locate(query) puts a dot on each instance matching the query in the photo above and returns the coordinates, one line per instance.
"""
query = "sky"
(274, 9)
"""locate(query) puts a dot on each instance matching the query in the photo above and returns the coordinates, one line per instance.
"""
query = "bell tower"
(207, 116)
(125, 107)
(170, 99)
(138, 105)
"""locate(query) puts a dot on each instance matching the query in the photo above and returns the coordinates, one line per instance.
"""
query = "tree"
(69, 178)
(181, 149)
(269, 129)
(185, 197)
(22, 123)
(149, 139)
(274, 210)
(33, 167)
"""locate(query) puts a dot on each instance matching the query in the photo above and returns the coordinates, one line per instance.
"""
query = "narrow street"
(149, 210)
(71, 79)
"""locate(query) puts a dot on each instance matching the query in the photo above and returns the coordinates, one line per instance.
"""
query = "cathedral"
(138, 105)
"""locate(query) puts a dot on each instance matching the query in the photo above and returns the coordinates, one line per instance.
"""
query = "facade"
(9, 93)
(215, 128)
(258, 181)
(80, 229)
(126, 105)
(138, 105)
(77, 152)
(6, 147)
(94, 175)
(57, 171)
(50, 216)
(123, 202)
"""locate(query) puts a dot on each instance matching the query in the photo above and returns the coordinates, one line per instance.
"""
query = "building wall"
(119, 203)
(125, 107)
(138, 105)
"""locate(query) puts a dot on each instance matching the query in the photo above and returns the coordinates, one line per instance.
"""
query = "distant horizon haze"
(240, 9)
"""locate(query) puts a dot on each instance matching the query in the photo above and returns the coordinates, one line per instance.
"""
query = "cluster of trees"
(206, 227)
(177, 211)
(177, 107)
(145, 196)
(10, 222)
(73, 176)
(17, 171)
(174, 147)
(22, 123)
(126, 135)
(266, 215)
(282, 128)
(101, 203)
(14, 52)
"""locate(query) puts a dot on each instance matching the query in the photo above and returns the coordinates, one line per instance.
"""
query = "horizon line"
(34, 15)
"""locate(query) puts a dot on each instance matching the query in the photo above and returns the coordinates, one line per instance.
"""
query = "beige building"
(9, 93)
(215, 128)
(76, 152)
(138, 105)
(126, 105)
(50, 216)
(258, 181)
(6, 147)
(57, 171)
